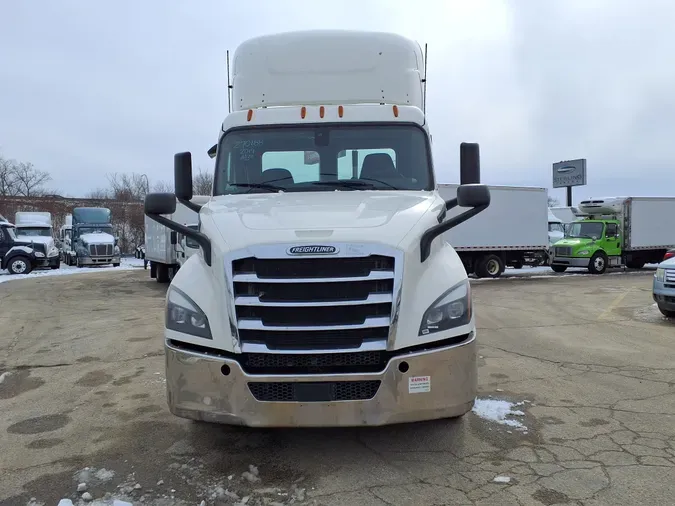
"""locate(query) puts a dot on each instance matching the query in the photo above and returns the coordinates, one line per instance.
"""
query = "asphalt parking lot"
(587, 361)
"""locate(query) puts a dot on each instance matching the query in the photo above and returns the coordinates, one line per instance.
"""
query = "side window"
(611, 230)
(350, 162)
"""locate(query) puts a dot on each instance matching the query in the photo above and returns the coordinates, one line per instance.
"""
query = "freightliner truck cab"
(323, 293)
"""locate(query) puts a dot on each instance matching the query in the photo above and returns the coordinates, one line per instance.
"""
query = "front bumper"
(571, 262)
(197, 388)
(47, 261)
(664, 296)
(98, 260)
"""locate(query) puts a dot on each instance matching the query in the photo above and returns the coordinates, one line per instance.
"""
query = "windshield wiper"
(349, 183)
(264, 186)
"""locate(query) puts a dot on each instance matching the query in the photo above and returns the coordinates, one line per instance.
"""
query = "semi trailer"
(617, 232)
(323, 293)
(512, 232)
(165, 249)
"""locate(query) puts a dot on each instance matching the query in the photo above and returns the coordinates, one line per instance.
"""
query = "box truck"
(513, 231)
(323, 293)
(165, 249)
(617, 232)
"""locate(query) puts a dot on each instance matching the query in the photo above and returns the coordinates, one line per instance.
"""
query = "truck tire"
(517, 265)
(598, 263)
(20, 265)
(667, 313)
(559, 268)
(489, 266)
(116, 265)
(162, 273)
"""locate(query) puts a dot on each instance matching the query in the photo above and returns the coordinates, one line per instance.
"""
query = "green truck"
(617, 232)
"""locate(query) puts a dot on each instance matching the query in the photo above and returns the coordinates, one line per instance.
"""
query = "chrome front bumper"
(571, 261)
(197, 388)
(99, 260)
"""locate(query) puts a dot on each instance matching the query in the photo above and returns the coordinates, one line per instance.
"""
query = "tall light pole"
(147, 183)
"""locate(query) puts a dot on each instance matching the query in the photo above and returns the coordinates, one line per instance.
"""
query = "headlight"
(39, 254)
(117, 250)
(660, 273)
(583, 252)
(53, 252)
(183, 315)
(450, 310)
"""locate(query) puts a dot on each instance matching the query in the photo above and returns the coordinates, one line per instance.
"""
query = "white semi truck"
(36, 227)
(513, 231)
(165, 249)
(323, 293)
(617, 232)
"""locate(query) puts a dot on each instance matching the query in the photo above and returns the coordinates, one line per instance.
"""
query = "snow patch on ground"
(65, 270)
(498, 411)
(545, 272)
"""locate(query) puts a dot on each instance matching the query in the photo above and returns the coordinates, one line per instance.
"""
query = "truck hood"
(573, 241)
(384, 216)
(27, 239)
(97, 238)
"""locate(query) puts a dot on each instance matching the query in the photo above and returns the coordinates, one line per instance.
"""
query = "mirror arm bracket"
(198, 237)
(436, 230)
(190, 205)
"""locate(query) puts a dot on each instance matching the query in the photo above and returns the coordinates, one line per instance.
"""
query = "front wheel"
(598, 263)
(20, 265)
(667, 312)
(559, 268)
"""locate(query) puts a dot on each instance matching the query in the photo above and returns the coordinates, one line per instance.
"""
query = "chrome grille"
(100, 250)
(670, 275)
(313, 303)
(314, 392)
(563, 251)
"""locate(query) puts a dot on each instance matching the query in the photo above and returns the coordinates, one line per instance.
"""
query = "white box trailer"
(512, 231)
(164, 249)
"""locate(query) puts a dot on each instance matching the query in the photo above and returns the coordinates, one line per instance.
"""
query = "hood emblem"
(312, 250)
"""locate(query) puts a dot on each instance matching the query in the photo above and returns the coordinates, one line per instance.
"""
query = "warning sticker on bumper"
(419, 384)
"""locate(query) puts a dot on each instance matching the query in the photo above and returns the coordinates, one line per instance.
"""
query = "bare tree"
(553, 202)
(127, 187)
(21, 179)
(202, 182)
(162, 187)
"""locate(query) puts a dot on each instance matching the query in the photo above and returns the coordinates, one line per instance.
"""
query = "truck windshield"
(34, 232)
(323, 158)
(586, 230)
(100, 229)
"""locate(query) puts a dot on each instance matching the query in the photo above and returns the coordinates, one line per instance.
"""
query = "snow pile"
(498, 411)
(65, 270)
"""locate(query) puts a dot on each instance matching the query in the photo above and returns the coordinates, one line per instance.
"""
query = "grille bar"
(670, 275)
(253, 278)
(373, 298)
(258, 325)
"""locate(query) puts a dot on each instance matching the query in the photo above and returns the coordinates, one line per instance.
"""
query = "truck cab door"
(4, 243)
(612, 240)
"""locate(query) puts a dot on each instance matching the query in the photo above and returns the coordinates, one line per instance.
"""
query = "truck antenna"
(424, 104)
(229, 86)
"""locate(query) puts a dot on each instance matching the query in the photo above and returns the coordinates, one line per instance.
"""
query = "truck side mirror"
(174, 237)
(470, 193)
(182, 175)
(473, 195)
(160, 203)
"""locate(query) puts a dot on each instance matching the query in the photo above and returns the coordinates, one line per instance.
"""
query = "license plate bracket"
(314, 392)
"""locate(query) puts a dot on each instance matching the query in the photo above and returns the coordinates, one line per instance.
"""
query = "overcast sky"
(87, 90)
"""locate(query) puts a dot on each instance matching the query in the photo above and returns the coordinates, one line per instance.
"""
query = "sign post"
(569, 173)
